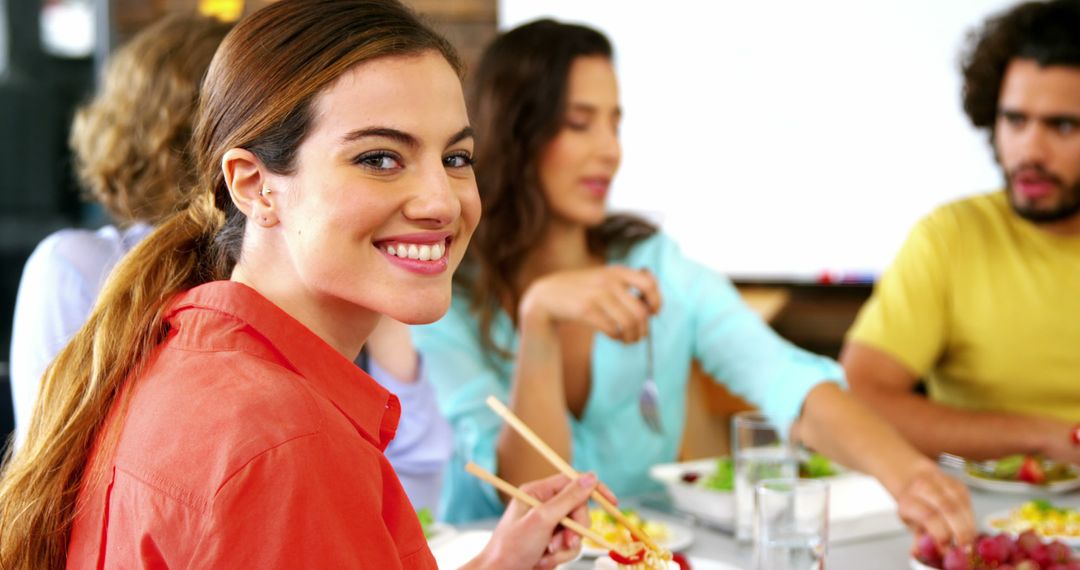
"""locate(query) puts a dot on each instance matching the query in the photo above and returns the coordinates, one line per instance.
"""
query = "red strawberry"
(1031, 471)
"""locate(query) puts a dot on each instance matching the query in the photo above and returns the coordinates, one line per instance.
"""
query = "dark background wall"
(37, 191)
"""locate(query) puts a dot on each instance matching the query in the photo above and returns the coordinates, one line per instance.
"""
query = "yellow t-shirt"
(986, 307)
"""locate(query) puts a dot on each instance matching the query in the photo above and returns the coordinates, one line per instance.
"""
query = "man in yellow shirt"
(983, 300)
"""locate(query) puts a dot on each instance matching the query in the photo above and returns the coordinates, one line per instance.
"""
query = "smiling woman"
(209, 413)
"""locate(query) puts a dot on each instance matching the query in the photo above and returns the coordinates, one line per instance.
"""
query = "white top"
(59, 286)
(424, 443)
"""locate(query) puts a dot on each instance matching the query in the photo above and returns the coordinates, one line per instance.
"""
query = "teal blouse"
(702, 316)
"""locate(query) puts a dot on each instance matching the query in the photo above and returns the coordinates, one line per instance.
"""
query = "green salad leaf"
(813, 466)
(816, 466)
(723, 479)
(427, 520)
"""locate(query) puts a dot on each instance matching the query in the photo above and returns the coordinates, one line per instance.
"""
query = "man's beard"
(1068, 204)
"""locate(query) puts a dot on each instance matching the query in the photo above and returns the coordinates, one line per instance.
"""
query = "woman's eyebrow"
(466, 133)
(382, 132)
(401, 136)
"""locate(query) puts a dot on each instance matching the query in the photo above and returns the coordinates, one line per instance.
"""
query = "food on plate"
(816, 466)
(606, 526)
(1043, 518)
(427, 521)
(606, 563)
(813, 465)
(1025, 469)
(723, 478)
(618, 560)
(1025, 552)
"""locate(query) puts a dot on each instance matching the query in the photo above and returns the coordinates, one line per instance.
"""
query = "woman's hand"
(614, 299)
(839, 426)
(936, 504)
(531, 537)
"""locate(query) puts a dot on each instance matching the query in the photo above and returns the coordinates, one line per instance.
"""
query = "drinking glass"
(791, 524)
(759, 453)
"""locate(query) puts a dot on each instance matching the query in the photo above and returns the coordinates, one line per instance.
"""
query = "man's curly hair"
(130, 142)
(1047, 32)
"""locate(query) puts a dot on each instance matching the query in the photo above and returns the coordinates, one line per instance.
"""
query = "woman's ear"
(249, 186)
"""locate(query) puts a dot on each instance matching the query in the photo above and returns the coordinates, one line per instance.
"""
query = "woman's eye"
(458, 160)
(379, 161)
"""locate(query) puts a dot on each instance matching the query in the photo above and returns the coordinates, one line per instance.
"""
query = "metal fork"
(649, 398)
(961, 464)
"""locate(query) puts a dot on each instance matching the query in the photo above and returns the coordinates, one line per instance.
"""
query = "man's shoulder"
(969, 219)
(985, 209)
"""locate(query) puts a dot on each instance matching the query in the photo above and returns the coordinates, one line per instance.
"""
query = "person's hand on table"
(932, 502)
(1059, 441)
(533, 538)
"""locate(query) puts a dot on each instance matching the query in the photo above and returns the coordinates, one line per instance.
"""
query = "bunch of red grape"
(1000, 552)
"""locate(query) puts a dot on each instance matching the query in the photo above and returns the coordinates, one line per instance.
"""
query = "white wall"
(779, 140)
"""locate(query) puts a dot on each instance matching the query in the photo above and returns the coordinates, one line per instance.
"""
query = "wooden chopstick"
(532, 501)
(565, 468)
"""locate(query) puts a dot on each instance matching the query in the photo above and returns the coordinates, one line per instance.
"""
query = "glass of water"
(791, 524)
(759, 453)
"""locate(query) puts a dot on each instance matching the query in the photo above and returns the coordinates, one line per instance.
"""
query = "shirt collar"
(370, 407)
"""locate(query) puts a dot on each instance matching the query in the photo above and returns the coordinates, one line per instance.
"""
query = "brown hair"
(517, 101)
(1047, 32)
(258, 95)
(131, 141)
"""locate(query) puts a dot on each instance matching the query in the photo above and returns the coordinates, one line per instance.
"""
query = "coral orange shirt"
(248, 442)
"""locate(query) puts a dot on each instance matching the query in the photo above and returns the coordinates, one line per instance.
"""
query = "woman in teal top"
(549, 268)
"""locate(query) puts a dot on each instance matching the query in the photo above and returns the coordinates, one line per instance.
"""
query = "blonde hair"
(258, 95)
(130, 142)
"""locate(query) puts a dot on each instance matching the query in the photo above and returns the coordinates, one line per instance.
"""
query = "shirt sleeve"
(463, 378)
(737, 348)
(907, 316)
(424, 442)
(52, 304)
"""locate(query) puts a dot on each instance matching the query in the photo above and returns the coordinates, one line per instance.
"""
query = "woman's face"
(577, 166)
(383, 201)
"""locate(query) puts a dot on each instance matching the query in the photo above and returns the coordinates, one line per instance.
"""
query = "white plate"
(679, 537)
(916, 565)
(1019, 487)
(988, 522)
(704, 564)
(859, 507)
(461, 547)
(605, 563)
(717, 507)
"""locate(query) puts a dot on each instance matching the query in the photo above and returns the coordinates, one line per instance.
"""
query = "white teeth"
(425, 252)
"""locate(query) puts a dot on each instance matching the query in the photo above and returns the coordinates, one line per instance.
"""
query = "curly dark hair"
(517, 102)
(1047, 32)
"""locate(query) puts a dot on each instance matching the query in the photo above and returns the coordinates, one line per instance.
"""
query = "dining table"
(886, 551)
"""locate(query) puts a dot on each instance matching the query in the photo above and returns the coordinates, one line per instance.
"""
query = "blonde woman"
(130, 149)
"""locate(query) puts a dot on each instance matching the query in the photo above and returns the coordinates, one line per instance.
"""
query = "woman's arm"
(792, 385)
(839, 426)
(614, 300)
